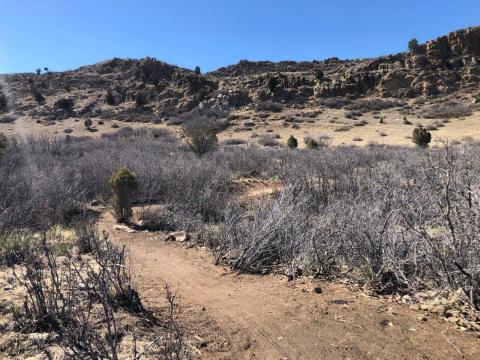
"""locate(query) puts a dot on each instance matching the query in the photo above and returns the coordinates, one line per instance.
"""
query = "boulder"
(179, 236)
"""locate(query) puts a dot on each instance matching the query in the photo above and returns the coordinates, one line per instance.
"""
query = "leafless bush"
(334, 103)
(353, 114)
(366, 105)
(78, 299)
(343, 128)
(268, 140)
(385, 209)
(403, 225)
(8, 119)
(273, 237)
(360, 123)
(156, 219)
(233, 141)
(55, 303)
(451, 109)
(270, 106)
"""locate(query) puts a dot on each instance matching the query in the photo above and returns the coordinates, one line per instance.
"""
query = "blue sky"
(65, 34)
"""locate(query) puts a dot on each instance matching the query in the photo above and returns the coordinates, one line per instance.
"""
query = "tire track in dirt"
(265, 317)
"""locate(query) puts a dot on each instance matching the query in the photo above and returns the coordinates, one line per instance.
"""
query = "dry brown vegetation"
(212, 159)
(397, 220)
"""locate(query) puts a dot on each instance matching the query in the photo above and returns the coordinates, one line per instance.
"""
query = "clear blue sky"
(65, 34)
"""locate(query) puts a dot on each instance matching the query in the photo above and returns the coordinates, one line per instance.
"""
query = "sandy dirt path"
(266, 317)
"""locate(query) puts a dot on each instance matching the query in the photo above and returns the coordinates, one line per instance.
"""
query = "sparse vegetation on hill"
(364, 85)
(396, 221)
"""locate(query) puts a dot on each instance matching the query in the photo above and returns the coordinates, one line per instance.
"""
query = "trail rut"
(266, 317)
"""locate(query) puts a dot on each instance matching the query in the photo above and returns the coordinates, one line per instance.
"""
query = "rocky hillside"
(148, 90)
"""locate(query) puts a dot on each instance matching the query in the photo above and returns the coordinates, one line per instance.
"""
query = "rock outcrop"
(151, 90)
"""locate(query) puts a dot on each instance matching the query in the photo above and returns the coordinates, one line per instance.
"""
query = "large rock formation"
(150, 90)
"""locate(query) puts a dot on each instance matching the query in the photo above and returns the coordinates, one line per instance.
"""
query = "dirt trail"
(265, 317)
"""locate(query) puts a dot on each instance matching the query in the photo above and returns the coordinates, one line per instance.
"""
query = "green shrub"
(39, 98)
(319, 74)
(15, 247)
(272, 83)
(122, 185)
(198, 72)
(64, 104)
(3, 103)
(421, 136)
(292, 143)
(201, 140)
(141, 99)
(110, 98)
(3, 143)
(312, 144)
(412, 44)
(87, 123)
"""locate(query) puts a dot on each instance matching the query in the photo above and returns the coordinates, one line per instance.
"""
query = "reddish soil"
(265, 317)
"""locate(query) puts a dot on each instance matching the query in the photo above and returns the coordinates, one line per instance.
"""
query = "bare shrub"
(8, 119)
(79, 299)
(343, 128)
(360, 123)
(451, 109)
(232, 141)
(353, 114)
(268, 140)
(334, 103)
(270, 106)
(272, 237)
(381, 211)
(368, 105)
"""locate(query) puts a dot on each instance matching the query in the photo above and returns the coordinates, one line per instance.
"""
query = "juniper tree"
(292, 143)
(122, 184)
(421, 136)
